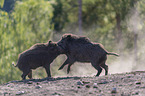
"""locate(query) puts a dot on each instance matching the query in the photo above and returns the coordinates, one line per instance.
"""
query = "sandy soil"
(125, 84)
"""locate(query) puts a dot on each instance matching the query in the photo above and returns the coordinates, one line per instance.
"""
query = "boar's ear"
(68, 36)
(49, 41)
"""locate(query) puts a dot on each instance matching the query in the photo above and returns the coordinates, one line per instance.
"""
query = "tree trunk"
(119, 33)
(80, 16)
(135, 48)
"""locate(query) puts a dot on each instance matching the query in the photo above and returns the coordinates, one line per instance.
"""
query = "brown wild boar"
(82, 50)
(41, 54)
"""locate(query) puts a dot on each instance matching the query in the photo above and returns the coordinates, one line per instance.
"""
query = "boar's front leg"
(65, 63)
(68, 61)
(47, 68)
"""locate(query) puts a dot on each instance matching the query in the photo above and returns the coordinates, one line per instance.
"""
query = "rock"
(30, 82)
(20, 92)
(103, 82)
(87, 86)
(125, 94)
(111, 80)
(5, 93)
(76, 78)
(56, 94)
(79, 87)
(137, 86)
(120, 85)
(113, 90)
(45, 82)
(138, 82)
(80, 83)
(142, 87)
(50, 79)
(84, 82)
(129, 76)
(37, 83)
(95, 85)
(90, 93)
(135, 93)
(37, 87)
(6, 83)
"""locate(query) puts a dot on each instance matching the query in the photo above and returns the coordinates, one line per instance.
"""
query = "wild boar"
(40, 54)
(81, 49)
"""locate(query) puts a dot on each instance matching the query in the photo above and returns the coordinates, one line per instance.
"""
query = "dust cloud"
(127, 61)
(132, 60)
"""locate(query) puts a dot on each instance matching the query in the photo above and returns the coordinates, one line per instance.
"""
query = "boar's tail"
(111, 53)
(14, 64)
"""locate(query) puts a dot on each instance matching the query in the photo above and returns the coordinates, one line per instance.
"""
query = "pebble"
(79, 87)
(90, 93)
(84, 82)
(135, 93)
(137, 86)
(95, 85)
(114, 90)
(120, 85)
(142, 87)
(37, 83)
(129, 76)
(5, 93)
(87, 86)
(56, 94)
(45, 81)
(103, 82)
(111, 80)
(20, 92)
(80, 83)
(37, 87)
(29, 82)
(138, 82)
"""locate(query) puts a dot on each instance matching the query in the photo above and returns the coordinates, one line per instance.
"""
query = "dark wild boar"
(41, 54)
(82, 50)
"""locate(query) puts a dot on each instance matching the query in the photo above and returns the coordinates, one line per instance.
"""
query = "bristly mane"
(79, 39)
(39, 46)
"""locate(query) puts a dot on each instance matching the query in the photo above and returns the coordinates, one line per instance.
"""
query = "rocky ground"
(125, 84)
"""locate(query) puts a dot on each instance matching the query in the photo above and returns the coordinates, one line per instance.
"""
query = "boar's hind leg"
(30, 74)
(25, 73)
(105, 67)
(97, 67)
(47, 68)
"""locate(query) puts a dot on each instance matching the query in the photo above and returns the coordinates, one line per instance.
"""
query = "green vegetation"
(117, 24)
(29, 23)
(1, 3)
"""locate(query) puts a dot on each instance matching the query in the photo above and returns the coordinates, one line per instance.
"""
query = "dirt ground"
(125, 84)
